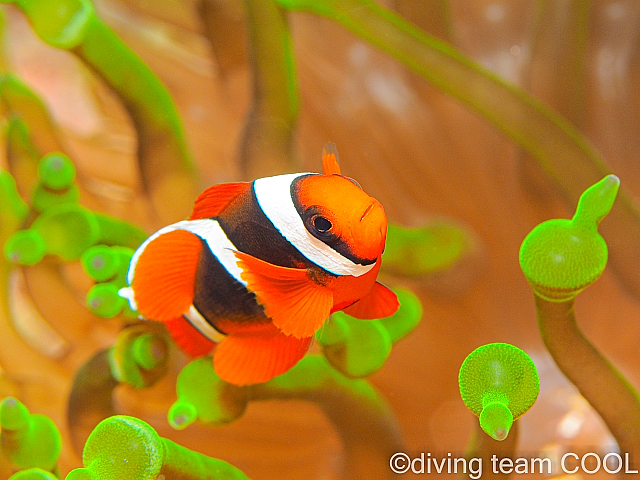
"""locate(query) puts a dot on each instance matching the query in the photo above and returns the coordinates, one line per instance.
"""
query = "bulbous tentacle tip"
(496, 420)
(103, 300)
(135, 444)
(560, 258)
(150, 350)
(25, 247)
(80, 474)
(13, 414)
(56, 171)
(182, 414)
(499, 383)
(38, 474)
(100, 262)
(596, 202)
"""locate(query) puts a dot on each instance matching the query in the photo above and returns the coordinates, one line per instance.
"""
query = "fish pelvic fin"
(215, 199)
(296, 304)
(165, 274)
(188, 338)
(380, 302)
(250, 358)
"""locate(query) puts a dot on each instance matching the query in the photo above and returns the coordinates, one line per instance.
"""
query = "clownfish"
(259, 266)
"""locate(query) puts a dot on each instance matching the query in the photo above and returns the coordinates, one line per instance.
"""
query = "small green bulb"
(26, 247)
(13, 414)
(203, 395)
(358, 348)
(498, 383)
(56, 171)
(496, 419)
(100, 262)
(33, 474)
(562, 257)
(182, 414)
(28, 440)
(355, 348)
(149, 351)
(416, 252)
(80, 474)
(104, 301)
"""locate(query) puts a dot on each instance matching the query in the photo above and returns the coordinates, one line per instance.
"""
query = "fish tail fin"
(164, 275)
(247, 359)
(188, 338)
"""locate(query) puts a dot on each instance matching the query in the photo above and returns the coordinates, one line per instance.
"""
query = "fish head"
(336, 210)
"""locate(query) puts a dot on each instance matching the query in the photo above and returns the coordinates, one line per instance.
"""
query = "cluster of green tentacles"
(560, 258)
(119, 447)
(54, 224)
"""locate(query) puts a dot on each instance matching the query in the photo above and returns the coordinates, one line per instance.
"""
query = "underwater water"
(428, 158)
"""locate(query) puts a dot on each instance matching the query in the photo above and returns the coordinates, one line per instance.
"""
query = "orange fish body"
(258, 267)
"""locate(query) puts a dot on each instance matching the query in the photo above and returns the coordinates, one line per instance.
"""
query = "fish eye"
(321, 224)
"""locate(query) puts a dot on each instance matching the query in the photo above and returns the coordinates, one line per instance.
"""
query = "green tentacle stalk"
(28, 440)
(164, 157)
(126, 447)
(363, 419)
(560, 258)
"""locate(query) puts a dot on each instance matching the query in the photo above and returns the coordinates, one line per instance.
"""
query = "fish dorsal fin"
(380, 302)
(215, 199)
(250, 358)
(297, 305)
(165, 274)
(330, 165)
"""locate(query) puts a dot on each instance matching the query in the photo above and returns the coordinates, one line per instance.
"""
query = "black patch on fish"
(220, 296)
(310, 213)
(249, 229)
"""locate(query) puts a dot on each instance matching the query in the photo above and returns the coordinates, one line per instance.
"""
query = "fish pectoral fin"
(380, 302)
(215, 199)
(296, 304)
(190, 340)
(330, 165)
(246, 359)
(165, 274)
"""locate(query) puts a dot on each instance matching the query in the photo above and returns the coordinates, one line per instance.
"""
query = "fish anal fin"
(215, 199)
(190, 340)
(330, 165)
(296, 304)
(249, 359)
(165, 274)
(380, 302)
